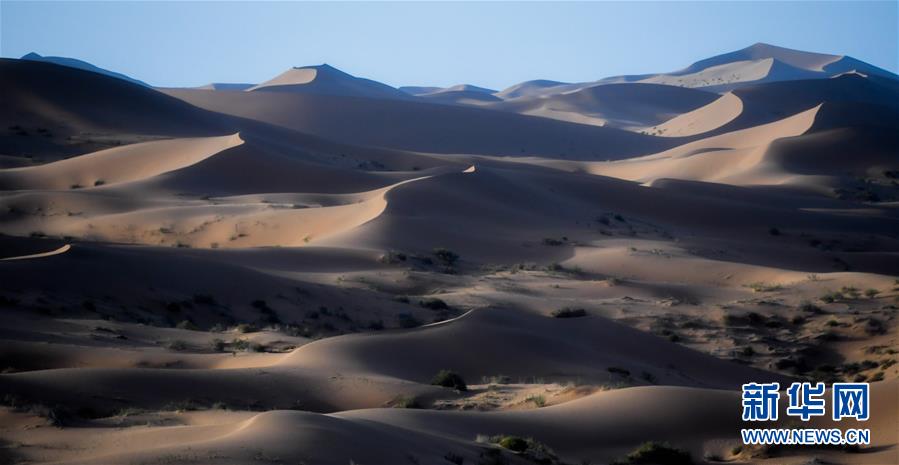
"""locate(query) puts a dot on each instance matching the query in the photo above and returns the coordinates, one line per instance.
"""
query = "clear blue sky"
(428, 43)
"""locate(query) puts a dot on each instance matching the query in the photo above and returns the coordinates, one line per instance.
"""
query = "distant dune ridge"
(321, 268)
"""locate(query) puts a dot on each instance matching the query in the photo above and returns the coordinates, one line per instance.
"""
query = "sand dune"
(51, 253)
(704, 119)
(410, 125)
(630, 106)
(570, 430)
(79, 64)
(531, 348)
(117, 165)
(100, 104)
(276, 273)
(327, 80)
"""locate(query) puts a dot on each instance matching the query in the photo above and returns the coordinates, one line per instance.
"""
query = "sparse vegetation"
(176, 345)
(187, 324)
(244, 328)
(450, 379)
(433, 303)
(407, 320)
(405, 402)
(808, 307)
(568, 312)
(446, 256)
(455, 459)
(764, 287)
(657, 453)
(217, 345)
(538, 400)
(528, 448)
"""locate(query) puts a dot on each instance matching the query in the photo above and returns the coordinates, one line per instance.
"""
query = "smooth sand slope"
(628, 106)
(427, 127)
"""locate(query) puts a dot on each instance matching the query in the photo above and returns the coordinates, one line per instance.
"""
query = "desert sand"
(278, 272)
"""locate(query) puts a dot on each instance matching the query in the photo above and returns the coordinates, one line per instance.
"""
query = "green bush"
(513, 443)
(450, 379)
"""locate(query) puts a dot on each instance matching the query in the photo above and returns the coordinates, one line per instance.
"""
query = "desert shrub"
(764, 287)
(176, 345)
(492, 457)
(446, 256)
(874, 327)
(217, 345)
(568, 312)
(433, 303)
(393, 257)
(851, 291)
(186, 324)
(538, 400)
(871, 293)
(240, 344)
(658, 453)
(405, 402)
(831, 297)
(450, 379)
(619, 371)
(401, 299)
(550, 241)
(407, 320)
(876, 377)
(807, 306)
(528, 448)
(513, 443)
(376, 325)
(755, 318)
(256, 347)
(99, 182)
(244, 328)
(455, 459)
